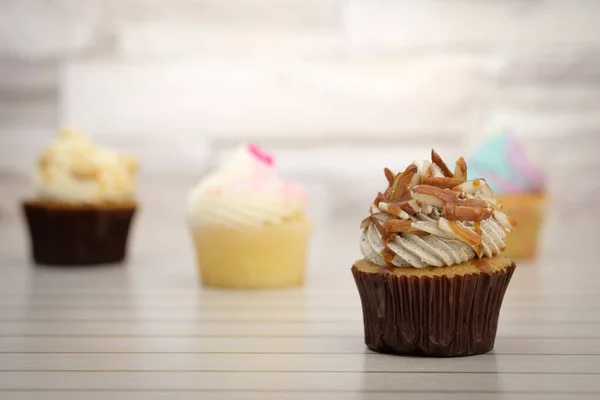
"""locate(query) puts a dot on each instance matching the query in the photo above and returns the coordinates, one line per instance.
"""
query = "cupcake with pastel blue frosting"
(518, 183)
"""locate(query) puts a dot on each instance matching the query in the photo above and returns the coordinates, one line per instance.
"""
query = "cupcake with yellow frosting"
(249, 226)
(84, 203)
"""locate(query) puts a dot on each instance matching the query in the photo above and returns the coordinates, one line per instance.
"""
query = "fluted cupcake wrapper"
(437, 316)
(78, 235)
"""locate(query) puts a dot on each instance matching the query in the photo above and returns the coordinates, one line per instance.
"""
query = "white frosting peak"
(73, 169)
(245, 191)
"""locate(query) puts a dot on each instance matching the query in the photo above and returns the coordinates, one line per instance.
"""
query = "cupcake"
(519, 184)
(249, 226)
(84, 203)
(432, 278)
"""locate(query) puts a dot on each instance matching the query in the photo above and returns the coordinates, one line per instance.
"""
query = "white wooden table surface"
(148, 330)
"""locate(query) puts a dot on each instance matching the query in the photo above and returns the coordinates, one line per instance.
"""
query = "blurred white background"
(338, 89)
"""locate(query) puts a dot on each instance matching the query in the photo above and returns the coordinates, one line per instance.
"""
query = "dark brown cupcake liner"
(435, 316)
(78, 235)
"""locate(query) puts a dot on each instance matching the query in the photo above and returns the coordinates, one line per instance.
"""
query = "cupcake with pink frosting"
(249, 226)
(518, 183)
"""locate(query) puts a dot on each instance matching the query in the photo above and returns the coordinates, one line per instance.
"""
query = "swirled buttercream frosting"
(430, 216)
(75, 170)
(245, 191)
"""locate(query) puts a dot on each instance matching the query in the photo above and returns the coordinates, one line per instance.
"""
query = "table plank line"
(279, 344)
(264, 353)
(242, 335)
(300, 381)
(206, 308)
(307, 391)
(320, 371)
(358, 319)
(190, 329)
(308, 362)
(240, 395)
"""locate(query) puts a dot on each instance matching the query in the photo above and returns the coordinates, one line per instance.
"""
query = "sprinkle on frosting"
(73, 169)
(431, 216)
(245, 191)
(261, 155)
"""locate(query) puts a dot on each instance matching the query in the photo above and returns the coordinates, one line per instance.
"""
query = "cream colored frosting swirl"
(245, 191)
(430, 216)
(73, 169)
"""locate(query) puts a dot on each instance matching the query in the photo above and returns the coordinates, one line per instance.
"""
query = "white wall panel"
(432, 95)
(391, 24)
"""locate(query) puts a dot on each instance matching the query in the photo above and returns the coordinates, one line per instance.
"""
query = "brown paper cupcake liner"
(437, 316)
(78, 235)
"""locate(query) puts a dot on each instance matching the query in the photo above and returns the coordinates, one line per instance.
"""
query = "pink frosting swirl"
(246, 190)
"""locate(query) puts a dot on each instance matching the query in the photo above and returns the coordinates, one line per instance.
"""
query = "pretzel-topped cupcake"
(431, 245)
